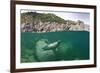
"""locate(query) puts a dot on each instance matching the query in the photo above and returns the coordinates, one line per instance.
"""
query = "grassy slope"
(44, 17)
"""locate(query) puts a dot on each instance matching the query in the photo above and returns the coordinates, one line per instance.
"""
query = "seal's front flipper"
(46, 48)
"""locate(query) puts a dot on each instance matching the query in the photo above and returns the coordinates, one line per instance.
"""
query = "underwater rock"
(55, 51)
(65, 51)
(44, 55)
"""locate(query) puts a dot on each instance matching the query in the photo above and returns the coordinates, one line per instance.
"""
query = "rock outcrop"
(41, 22)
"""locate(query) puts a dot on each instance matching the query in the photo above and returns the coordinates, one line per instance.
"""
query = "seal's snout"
(59, 41)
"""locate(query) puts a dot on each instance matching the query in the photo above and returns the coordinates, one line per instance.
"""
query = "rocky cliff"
(46, 22)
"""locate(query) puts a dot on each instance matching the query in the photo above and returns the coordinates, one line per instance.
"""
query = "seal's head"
(59, 41)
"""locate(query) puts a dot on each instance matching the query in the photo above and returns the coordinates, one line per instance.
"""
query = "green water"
(74, 46)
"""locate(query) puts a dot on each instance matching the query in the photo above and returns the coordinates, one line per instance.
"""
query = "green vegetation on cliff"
(30, 17)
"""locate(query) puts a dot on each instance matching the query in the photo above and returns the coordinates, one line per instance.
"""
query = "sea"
(74, 45)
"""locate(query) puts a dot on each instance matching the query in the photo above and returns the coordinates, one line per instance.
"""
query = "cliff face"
(41, 22)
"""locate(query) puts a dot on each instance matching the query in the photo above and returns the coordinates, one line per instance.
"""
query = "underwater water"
(74, 45)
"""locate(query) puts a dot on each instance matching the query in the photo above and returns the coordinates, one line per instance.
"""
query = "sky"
(83, 16)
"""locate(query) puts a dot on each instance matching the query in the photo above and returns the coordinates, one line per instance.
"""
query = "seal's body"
(51, 46)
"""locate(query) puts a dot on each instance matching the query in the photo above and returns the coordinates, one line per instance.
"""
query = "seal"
(52, 46)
